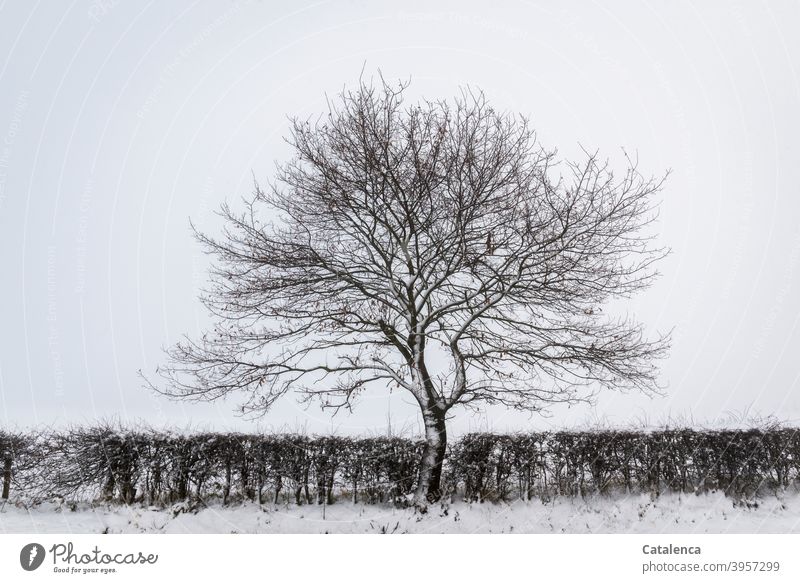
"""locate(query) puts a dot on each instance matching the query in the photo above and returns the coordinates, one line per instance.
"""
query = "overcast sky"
(121, 120)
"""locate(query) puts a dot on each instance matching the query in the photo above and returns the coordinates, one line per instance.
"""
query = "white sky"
(119, 121)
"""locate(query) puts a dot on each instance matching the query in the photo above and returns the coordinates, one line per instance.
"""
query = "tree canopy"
(435, 247)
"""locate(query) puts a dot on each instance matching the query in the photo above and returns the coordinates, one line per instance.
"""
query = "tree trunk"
(108, 489)
(127, 491)
(307, 490)
(226, 491)
(6, 478)
(330, 489)
(430, 472)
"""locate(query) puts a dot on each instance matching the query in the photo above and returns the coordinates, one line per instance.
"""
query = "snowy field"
(708, 513)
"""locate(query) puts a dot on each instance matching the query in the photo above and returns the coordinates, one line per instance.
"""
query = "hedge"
(110, 462)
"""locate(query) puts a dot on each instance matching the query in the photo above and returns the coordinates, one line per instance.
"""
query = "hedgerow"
(114, 463)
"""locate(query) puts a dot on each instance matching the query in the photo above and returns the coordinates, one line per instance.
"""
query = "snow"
(671, 513)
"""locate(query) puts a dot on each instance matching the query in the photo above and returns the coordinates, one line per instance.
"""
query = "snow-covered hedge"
(738, 462)
(109, 462)
(114, 463)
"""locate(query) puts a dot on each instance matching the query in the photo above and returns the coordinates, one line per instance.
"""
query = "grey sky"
(120, 120)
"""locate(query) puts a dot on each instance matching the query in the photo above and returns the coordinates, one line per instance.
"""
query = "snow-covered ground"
(708, 513)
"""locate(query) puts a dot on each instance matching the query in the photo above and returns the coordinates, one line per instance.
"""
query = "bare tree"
(432, 248)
